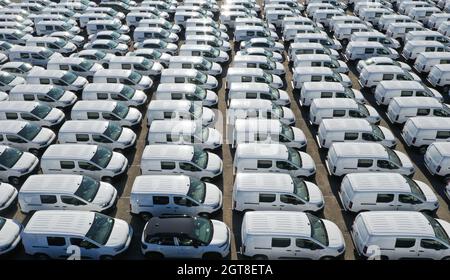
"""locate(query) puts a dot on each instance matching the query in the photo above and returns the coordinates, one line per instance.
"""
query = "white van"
(180, 159)
(255, 91)
(46, 27)
(179, 110)
(444, 28)
(313, 90)
(191, 76)
(360, 192)
(311, 49)
(259, 61)
(420, 132)
(95, 26)
(427, 35)
(386, 90)
(152, 54)
(25, 136)
(258, 108)
(289, 31)
(199, 22)
(51, 95)
(181, 17)
(161, 195)
(102, 133)
(255, 130)
(79, 66)
(288, 235)
(323, 16)
(357, 50)
(191, 92)
(317, 74)
(15, 165)
(116, 92)
(414, 47)
(208, 40)
(212, 54)
(195, 62)
(401, 235)
(8, 81)
(106, 110)
(36, 112)
(320, 60)
(398, 30)
(160, 22)
(426, 60)
(400, 109)
(209, 30)
(345, 158)
(436, 19)
(269, 191)
(67, 80)
(143, 33)
(439, 77)
(386, 20)
(320, 38)
(252, 75)
(95, 161)
(71, 192)
(376, 36)
(89, 16)
(273, 158)
(50, 233)
(325, 108)
(14, 36)
(138, 64)
(344, 31)
(134, 17)
(437, 159)
(353, 130)
(126, 77)
(180, 132)
(37, 56)
(372, 75)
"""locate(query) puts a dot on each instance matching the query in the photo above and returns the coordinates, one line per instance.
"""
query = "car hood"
(127, 136)
(215, 137)
(388, 135)
(117, 162)
(119, 234)
(214, 163)
(6, 191)
(406, 162)
(335, 237)
(307, 161)
(220, 235)
(17, 81)
(213, 195)
(45, 136)
(105, 194)
(299, 136)
(372, 112)
(9, 233)
(429, 194)
(68, 97)
(288, 114)
(54, 115)
(315, 195)
(26, 162)
(133, 115)
(208, 115)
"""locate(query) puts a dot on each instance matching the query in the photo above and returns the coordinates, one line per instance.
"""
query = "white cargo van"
(212, 54)
(269, 191)
(426, 60)
(288, 235)
(102, 133)
(181, 194)
(106, 110)
(259, 61)
(345, 158)
(360, 192)
(313, 90)
(33, 111)
(141, 34)
(114, 92)
(372, 75)
(304, 74)
(95, 26)
(353, 130)
(439, 77)
(37, 56)
(180, 159)
(258, 108)
(400, 109)
(80, 66)
(195, 62)
(94, 161)
(50, 233)
(15, 165)
(252, 75)
(138, 64)
(191, 92)
(53, 43)
(179, 110)
(126, 77)
(375, 36)
(71, 192)
(255, 91)
(325, 108)
(401, 235)
(274, 158)
(414, 47)
(191, 76)
(387, 90)
(46, 27)
(420, 132)
(437, 159)
(427, 35)
(357, 50)
(67, 80)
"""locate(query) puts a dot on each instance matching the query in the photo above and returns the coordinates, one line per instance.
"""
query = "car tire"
(34, 152)
(107, 179)
(154, 255)
(106, 258)
(260, 257)
(211, 256)
(423, 149)
(146, 216)
(14, 181)
(327, 258)
(42, 257)
(204, 215)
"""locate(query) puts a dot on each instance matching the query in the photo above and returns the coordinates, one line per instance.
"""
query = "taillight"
(323, 142)
(365, 249)
(350, 205)
(234, 204)
(414, 140)
(438, 168)
(334, 169)
(396, 118)
(243, 249)
(382, 99)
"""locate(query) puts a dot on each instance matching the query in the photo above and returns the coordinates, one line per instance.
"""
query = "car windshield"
(363, 109)
(88, 189)
(41, 110)
(196, 110)
(121, 110)
(268, 77)
(163, 44)
(201, 77)
(203, 230)
(200, 157)
(200, 92)
(9, 157)
(60, 43)
(415, 189)
(275, 93)
(206, 64)
(218, 42)
(113, 131)
(287, 132)
(19, 34)
(277, 110)
(100, 54)
(86, 64)
(46, 53)
(272, 64)
(439, 231)
(202, 134)
(66, 26)
(114, 35)
(267, 53)
(112, 44)
(25, 67)
(69, 77)
(135, 77)
(147, 63)
(300, 188)
(55, 93)
(128, 91)
(101, 228)
(156, 54)
(197, 190)
(2, 222)
(377, 131)
(349, 93)
(6, 78)
(294, 157)
(29, 131)
(165, 33)
(102, 156)
(393, 157)
(318, 230)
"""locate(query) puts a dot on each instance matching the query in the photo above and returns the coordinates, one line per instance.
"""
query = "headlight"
(104, 204)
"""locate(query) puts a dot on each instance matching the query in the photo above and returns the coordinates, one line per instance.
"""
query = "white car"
(265, 43)
(157, 44)
(272, 55)
(185, 237)
(7, 196)
(98, 56)
(9, 235)
(108, 46)
(20, 69)
(110, 35)
(8, 81)
(380, 60)
(77, 40)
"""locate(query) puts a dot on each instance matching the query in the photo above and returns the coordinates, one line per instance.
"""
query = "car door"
(56, 247)
(405, 248)
(307, 249)
(166, 245)
(88, 250)
(184, 205)
(432, 249)
(282, 248)
(188, 247)
(408, 202)
(289, 202)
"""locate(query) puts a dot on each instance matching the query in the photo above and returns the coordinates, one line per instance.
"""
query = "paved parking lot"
(329, 185)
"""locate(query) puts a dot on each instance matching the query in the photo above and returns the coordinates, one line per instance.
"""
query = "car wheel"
(326, 258)
(42, 257)
(14, 181)
(204, 215)
(146, 216)
(154, 255)
(446, 258)
(423, 149)
(260, 257)
(384, 258)
(34, 152)
(118, 54)
(107, 179)
(106, 258)
(211, 256)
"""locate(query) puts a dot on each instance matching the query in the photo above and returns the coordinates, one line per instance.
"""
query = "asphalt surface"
(329, 185)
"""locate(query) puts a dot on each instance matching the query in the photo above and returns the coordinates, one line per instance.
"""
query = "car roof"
(161, 184)
(264, 182)
(52, 183)
(168, 151)
(275, 223)
(363, 149)
(378, 181)
(172, 225)
(70, 151)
